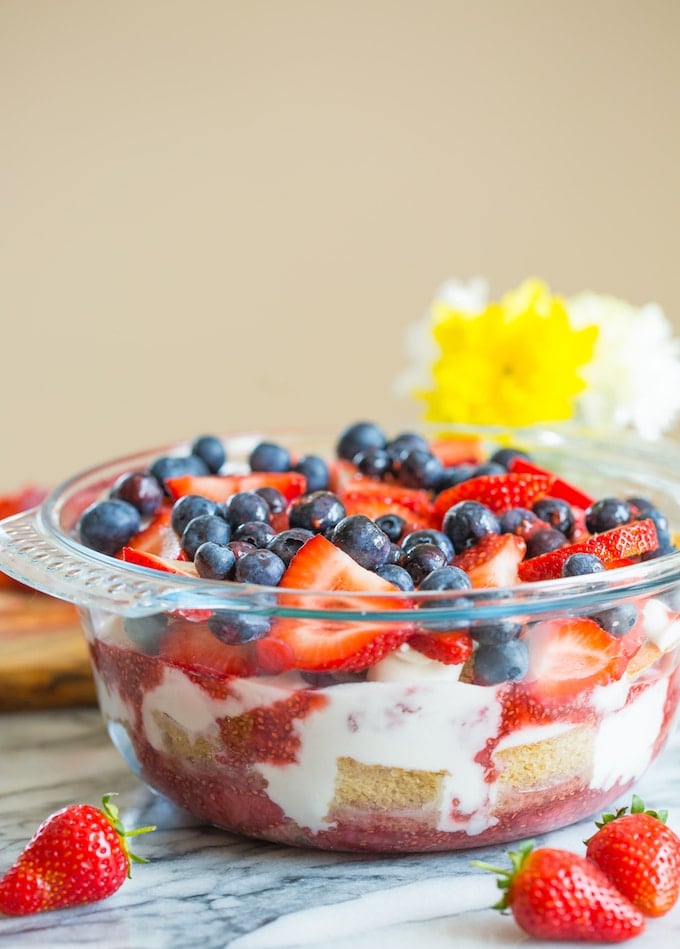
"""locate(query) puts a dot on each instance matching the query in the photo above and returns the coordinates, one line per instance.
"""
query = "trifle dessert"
(407, 642)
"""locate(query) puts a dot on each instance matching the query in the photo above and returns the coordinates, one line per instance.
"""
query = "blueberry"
(214, 561)
(358, 437)
(467, 522)
(422, 559)
(362, 539)
(543, 541)
(429, 536)
(211, 452)
(405, 442)
(373, 462)
(420, 469)
(446, 577)
(494, 634)
(107, 526)
(607, 513)
(259, 566)
(146, 631)
(240, 548)
(319, 512)
(454, 475)
(486, 468)
(397, 575)
(618, 620)
(141, 490)
(286, 543)
(276, 502)
(557, 513)
(579, 565)
(236, 628)
(659, 552)
(503, 456)
(246, 506)
(257, 533)
(315, 470)
(518, 520)
(396, 554)
(186, 508)
(392, 524)
(201, 529)
(503, 662)
(642, 509)
(268, 456)
(174, 466)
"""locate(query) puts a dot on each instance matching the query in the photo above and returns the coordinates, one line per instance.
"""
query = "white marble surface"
(204, 887)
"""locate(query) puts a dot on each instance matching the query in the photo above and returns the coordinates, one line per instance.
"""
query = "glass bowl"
(405, 753)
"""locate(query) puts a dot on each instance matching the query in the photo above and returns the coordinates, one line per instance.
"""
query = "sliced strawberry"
(143, 558)
(220, 487)
(493, 561)
(414, 499)
(458, 450)
(158, 537)
(622, 542)
(375, 507)
(341, 473)
(570, 654)
(335, 643)
(499, 492)
(560, 489)
(452, 649)
(193, 646)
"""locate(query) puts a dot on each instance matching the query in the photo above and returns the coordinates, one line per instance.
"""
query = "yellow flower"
(516, 362)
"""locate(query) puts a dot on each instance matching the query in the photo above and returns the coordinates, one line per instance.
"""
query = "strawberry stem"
(505, 876)
(112, 813)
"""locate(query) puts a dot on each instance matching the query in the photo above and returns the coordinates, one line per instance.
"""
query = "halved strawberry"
(22, 500)
(452, 649)
(341, 472)
(388, 492)
(493, 561)
(324, 644)
(143, 558)
(220, 487)
(375, 507)
(458, 449)
(158, 537)
(612, 546)
(500, 492)
(193, 646)
(560, 489)
(569, 654)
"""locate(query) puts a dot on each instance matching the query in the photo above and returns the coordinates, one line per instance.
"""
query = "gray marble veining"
(207, 888)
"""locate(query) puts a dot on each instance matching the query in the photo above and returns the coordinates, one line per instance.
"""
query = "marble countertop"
(204, 887)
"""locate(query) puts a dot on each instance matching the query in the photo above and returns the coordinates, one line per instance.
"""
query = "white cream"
(408, 665)
(661, 625)
(626, 736)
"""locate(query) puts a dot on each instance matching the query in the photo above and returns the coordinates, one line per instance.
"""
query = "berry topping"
(499, 492)
(106, 526)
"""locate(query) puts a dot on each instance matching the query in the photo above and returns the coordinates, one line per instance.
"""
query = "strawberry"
(347, 644)
(158, 537)
(640, 855)
(572, 653)
(560, 489)
(220, 487)
(375, 507)
(142, 558)
(78, 855)
(558, 895)
(458, 450)
(22, 500)
(499, 492)
(624, 541)
(452, 649)
(193, 646)
(388, 492)
(493, 561)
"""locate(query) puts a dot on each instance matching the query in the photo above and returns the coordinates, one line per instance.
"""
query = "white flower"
(633, 380)
(419, 344)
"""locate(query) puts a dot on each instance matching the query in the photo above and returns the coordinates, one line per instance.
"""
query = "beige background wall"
(223, 214)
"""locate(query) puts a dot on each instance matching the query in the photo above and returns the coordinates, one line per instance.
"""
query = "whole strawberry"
(640, 855)
(557, 895)
(78, 855)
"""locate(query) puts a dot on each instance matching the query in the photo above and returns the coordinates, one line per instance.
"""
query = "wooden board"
(43, 655)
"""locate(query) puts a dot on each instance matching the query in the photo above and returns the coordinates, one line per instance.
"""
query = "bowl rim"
(569, 594)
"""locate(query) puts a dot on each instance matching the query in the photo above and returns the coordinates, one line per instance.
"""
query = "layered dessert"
(420, 644)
